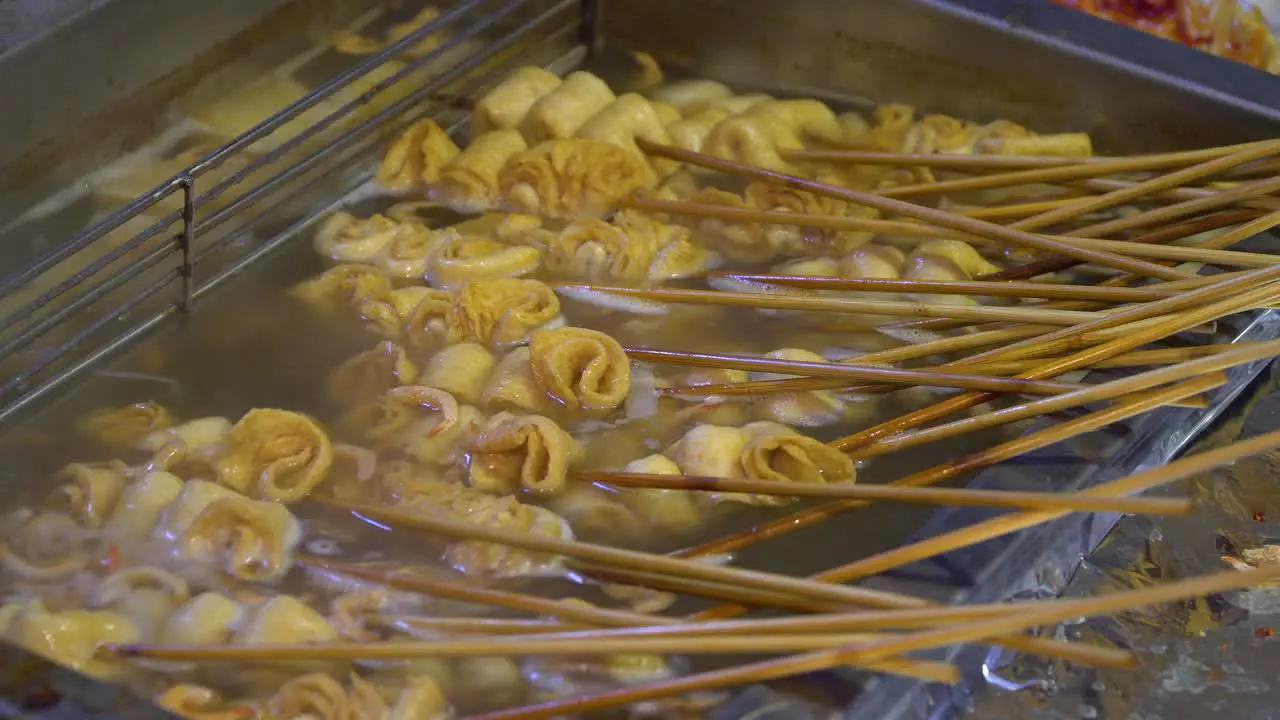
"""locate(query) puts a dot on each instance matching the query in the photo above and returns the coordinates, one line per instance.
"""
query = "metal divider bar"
(217, 157)
(261, 130)
(343, 148)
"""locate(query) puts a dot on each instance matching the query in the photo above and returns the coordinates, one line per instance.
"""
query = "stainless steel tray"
(83, 349)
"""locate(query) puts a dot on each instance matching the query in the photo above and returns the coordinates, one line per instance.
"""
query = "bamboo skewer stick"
(778, 217)
(712, 591)
(1124, 343)
(1197, 202)
(1201, 204)
(1044, 344)
(645, 562)
(996, 527)
(1139, 358)
(1189, 228)
(565, 611)
(600, 617)
(861, 373)
(1078, 238)
(1246, 292)
(1253, 222)
(1079, 171)
(1017, 210)
(1152, 186)
(489, 647)
(906, 352)
(979, 163)
(1253, 199)
(1180, 253)
(963, 163)
(936, 217)
(822, 304)
(631, 559)
(916, 618)
(928, 496)
(470, 625)
(939, 473)
(958, 287)
(1105, 391)
(462, 592)
(891, 647)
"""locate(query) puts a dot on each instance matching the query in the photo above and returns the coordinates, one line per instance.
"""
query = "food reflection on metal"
(473, 437)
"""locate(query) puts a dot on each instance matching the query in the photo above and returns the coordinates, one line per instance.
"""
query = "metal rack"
(47, 341)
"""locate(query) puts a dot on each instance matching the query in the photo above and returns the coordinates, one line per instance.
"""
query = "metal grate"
(77, 304)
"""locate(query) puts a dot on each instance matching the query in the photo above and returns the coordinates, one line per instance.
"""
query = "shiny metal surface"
(28, 333)
(949, 57)
(1199, 660)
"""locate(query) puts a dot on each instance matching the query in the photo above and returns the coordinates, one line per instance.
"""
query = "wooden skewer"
(1196, 204)
(1154, 185)
(1180, 253)
(890, 647)
(1139, 358)
(1079, 238)
(1017, 210)
(600, 617)
(940, 218)
(469, 625)
(1255, 197)
(939, 473)
(630, 558)
(1118, 281)
(1189, 228)
(861, 373)
(754, 599)
(845, 305)
(1096, 165)
(1004, 525)
(778, 217)
(1075, 171)
(884, 357)
(641, 561)
(1247, 292)
(462, 592)
(916, 618)
(877, 620)
(1124, 343)
(1200, 204)
(928, 496)
(1086, 357)
(958, 287)
(532, 645)
(1253, 225)
(646, 562)
(1105, 391)
(966, 163)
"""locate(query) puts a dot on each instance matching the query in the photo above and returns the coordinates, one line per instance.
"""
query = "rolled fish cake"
(691, 96)
(560, 113)
(625, 119)
(505, 106)
(573, 178)
(416, 158)
(691, 132)
(470, 182)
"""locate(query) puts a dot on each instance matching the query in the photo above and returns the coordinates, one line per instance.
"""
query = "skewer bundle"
(522, 416)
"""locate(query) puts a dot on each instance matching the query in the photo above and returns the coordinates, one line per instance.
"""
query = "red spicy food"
(1232, 29)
